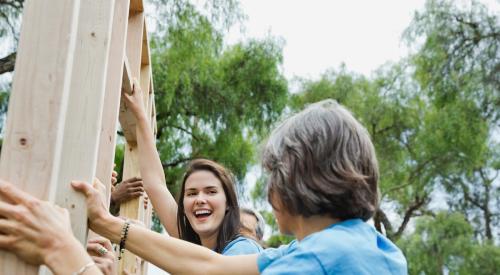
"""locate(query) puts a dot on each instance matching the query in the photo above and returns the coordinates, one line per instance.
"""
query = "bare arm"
(168, 253)
(174, 255)
(150, 164)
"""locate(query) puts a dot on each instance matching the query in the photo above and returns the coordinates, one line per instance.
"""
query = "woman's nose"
(200, 199)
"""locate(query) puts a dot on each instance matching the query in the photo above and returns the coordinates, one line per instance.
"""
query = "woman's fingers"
(83, 187)
(7, 241)
(18, 213)
(16, 229)
(8, 227)
(7, 190)
(107, 244)
(7, 210)
(96, 249)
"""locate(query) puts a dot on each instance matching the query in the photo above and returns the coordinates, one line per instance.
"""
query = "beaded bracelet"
(123, 238)
(83, 269)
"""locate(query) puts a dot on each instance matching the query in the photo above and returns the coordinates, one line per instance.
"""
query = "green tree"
(459, 56)
(445, 243)
(457, 66)
(10, 11)
(213, 100)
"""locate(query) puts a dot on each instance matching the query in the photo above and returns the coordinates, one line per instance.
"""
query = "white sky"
(321, 34)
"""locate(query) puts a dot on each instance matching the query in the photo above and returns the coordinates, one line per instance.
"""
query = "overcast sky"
(321, 34)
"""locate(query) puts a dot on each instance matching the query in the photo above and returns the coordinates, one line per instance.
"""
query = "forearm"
(70, 257)
(174, 255)
(149, 160)
(154, 178)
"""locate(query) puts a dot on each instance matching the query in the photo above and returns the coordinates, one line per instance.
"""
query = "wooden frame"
(65, 103)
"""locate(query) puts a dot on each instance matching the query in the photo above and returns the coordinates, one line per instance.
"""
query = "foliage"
(213, 102)
(446, 243)
(460, 55)
(10, 11)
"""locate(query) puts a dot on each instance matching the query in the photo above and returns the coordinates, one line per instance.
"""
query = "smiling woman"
(207, 211)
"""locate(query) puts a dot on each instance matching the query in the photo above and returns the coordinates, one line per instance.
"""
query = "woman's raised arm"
(152, 173)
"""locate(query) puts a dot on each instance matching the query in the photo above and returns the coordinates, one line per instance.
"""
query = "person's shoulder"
(298, 261)
(242, 246)
(354, 247)
(345, 235)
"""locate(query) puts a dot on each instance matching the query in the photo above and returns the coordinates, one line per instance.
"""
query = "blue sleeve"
(242, 246)
(271, 254)
(296, 263)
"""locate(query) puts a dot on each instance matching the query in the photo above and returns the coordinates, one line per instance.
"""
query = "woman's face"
(204, 203)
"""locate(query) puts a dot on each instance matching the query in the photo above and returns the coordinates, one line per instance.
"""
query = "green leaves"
(212, 101)
(446, 242)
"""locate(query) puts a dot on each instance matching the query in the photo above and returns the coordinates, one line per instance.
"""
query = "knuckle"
(12, 242)
(32, 204)
(6, 187)
(20, 214)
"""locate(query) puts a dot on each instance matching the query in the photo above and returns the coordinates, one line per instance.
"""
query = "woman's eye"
(212, 191)
(190, 194)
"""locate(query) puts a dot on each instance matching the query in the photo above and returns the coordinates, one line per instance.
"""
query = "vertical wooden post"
(54, 113)
(40, 87)
(137, 66)
(113, 92)
(56, 125)
(85, 104)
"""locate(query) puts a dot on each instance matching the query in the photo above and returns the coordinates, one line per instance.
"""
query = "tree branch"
(380, 218)
(7, 63)
(176, 162)
(419, 202)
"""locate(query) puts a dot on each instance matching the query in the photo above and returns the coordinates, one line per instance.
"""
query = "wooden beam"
(35, 121)
(83, 117)
(127, 119)
(145, 81)
(132, 209)
(36, 136)
(134, 43)
(145, 56)
(139, 67)
(136, 6)
(134, 54)
(114, 83)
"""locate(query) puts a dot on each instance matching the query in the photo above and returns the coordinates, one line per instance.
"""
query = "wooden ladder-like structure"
(74, 58)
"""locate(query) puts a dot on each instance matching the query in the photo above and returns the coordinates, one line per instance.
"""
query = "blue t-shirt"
(242, 246)
(348, 247)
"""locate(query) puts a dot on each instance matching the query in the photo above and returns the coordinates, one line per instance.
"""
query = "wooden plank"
(133, 53)
(127, 119)
(145, 81)
(127, 77)
(136, 6)
(145, 56)
(134, 43)
(115, 77)
(35, 121)
(83, 116)
(132, 209)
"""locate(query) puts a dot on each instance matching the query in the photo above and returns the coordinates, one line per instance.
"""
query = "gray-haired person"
(252, 223)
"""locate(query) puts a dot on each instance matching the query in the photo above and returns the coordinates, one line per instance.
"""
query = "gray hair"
(259, 229)
(322, 161)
